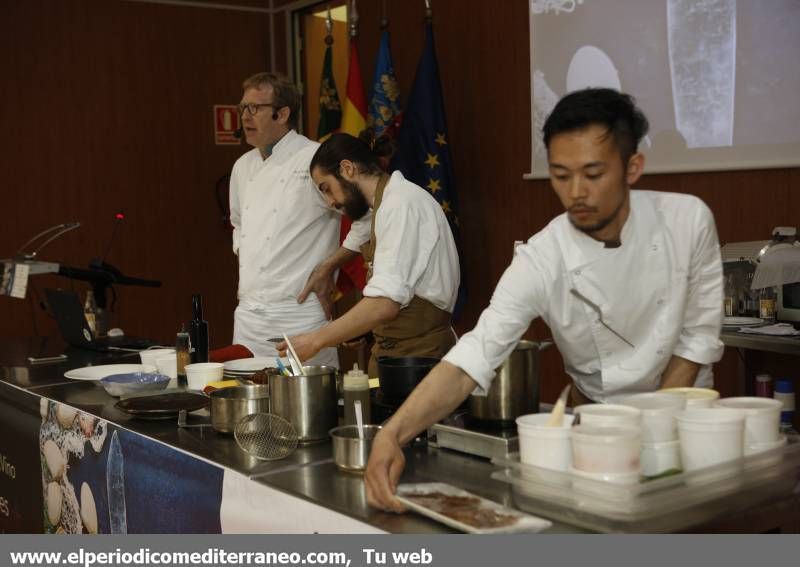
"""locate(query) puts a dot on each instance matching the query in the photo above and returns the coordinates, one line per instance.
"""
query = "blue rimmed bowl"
(134, 383)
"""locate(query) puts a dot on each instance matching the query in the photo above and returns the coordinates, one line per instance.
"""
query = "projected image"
(716, 78)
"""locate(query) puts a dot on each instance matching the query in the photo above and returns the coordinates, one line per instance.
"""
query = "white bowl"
(762, 418)
(710, 436)
(606, 449)
(609, 415)
(199, 374)
(542, 446)
(695, 397)
(659, 458)
(152, 355)
(658, 414)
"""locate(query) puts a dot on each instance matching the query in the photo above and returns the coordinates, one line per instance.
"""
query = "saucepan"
(515, 388)
(230, 405)
(400, 375)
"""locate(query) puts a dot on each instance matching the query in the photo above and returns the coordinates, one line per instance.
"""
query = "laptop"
(68, 312)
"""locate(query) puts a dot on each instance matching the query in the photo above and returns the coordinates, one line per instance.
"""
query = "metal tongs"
(294, 360)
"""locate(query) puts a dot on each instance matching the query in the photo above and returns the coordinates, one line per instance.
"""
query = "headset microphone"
(238, 133)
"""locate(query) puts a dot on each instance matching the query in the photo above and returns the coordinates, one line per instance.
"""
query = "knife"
(115, 483)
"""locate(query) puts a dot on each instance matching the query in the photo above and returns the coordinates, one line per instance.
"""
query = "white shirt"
(282, 228)
(415, 253)
(661, 290)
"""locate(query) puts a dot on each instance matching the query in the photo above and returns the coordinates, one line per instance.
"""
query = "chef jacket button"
(660, 302)
(577, 272)
(660, 351)
(608, 354)
(654, 247)
(283, 180)
(274, 210)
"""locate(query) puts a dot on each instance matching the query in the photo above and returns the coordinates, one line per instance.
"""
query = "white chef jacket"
(282, 228)
(661, 290)
(415, 253)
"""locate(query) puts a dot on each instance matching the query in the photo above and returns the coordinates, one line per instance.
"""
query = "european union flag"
(423, 146)
(384, 103)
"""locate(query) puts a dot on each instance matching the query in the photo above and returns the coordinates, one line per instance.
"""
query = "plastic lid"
(763, 378)
(784, 386)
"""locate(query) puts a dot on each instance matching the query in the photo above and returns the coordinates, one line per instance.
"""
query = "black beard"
(355, 205)
(601, 224)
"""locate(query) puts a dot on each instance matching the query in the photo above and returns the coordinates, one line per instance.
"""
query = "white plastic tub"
(709, 436)
(152, 355)
(199, 374)
(542, 446)
(658, 414)
(609, 415)
(762, 418)
(606, 449)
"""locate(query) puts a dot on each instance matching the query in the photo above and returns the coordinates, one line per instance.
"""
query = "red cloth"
(232, 352)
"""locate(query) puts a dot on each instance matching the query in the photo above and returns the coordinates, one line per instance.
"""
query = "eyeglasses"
(253, 107)
(597, 310)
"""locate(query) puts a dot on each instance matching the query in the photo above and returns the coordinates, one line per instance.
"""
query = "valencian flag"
(423, 146)
(330, 110)
(384, 104)
(353, 274)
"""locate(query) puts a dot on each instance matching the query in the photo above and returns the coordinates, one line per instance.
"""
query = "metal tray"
(665, 504)
(162, 406)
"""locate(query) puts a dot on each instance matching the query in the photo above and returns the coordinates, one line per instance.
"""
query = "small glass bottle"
(766, 304)
(182, 354)
(355, 386)
(90, 311)
(730, 296)
(764, 386)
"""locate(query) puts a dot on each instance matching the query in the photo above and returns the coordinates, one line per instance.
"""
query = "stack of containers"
(606, 445)
(660, 445)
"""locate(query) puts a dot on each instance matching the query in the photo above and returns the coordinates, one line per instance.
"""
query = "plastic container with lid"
(355, 386)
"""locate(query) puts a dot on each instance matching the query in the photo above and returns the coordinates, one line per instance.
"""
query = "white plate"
(93, 373)
(252, 364)
(741, 321)
(524, 523)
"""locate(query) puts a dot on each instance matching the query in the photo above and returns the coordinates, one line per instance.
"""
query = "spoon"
(557, 415)
(294, 360)
(359, 419)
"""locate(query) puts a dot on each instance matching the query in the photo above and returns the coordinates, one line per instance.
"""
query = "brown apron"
(420, 329)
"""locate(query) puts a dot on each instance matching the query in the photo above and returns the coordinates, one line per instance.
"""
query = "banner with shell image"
(100, 478)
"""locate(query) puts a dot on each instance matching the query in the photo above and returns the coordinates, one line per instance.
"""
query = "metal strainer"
(265, 436)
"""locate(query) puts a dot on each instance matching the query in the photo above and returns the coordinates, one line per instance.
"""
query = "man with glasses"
(282, 228)
(629, 282)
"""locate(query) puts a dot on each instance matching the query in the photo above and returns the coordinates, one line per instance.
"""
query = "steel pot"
(515, 388)
(351, 452)
(308, 402)
(230, 405)
(400, 375)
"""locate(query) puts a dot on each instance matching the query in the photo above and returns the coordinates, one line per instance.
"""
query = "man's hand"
(305, 346)
(320, 281)
(386, 464)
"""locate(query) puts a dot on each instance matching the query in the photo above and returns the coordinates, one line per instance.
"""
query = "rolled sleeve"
(358, 233)
(405, 239)
(699, 339)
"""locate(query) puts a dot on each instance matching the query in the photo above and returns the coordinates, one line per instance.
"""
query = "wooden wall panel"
(110, 106)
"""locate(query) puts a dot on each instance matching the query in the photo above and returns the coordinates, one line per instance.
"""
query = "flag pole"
(384, 16)
(353, 17)
(329, 27)
(428, 10)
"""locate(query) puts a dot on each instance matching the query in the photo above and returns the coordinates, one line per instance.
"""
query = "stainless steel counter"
(309, 473)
